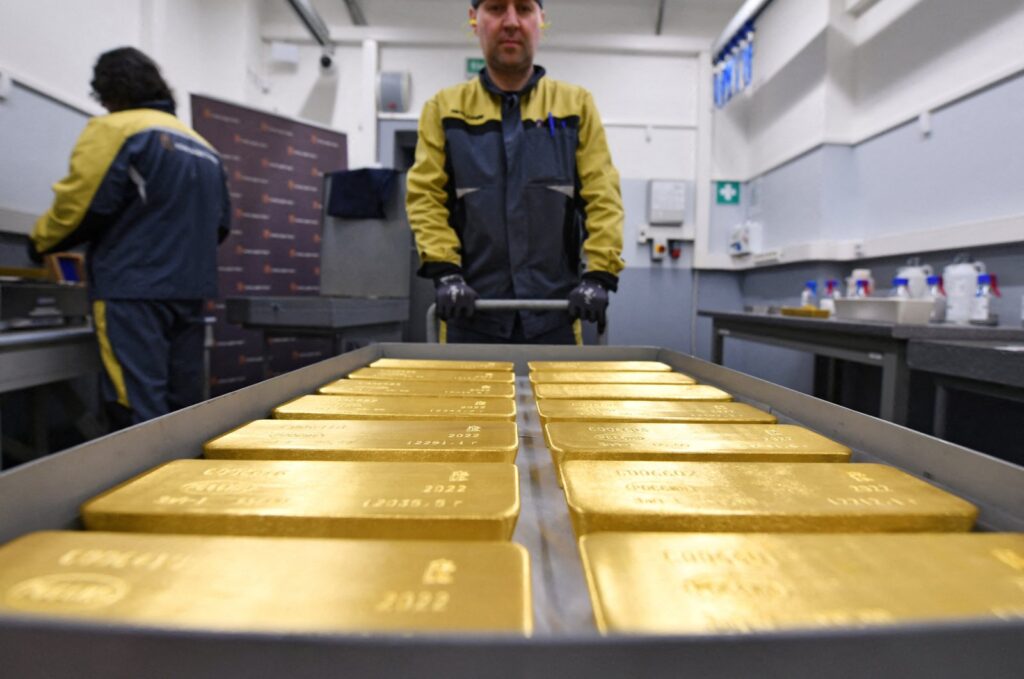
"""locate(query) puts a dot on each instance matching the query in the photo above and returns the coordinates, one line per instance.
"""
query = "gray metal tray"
(46, 495)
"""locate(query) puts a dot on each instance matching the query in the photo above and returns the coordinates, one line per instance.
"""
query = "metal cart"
(46, 495)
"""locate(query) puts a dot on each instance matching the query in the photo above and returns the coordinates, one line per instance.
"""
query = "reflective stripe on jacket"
(507, 187)
(150, 197)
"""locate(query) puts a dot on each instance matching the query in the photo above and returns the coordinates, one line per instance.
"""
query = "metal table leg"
(895, 386)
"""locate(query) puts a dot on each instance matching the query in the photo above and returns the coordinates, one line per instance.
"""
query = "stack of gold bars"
(696, 514)
(383, 504)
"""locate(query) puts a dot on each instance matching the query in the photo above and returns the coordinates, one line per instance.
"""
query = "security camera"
(326, 61)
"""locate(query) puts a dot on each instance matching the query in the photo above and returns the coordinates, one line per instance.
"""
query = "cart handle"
(506, 305)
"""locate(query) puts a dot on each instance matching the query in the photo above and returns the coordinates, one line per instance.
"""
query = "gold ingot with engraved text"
(279, 585)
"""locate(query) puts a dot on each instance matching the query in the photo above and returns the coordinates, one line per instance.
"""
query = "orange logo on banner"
(239, 249)
(238, 212)
(293, 287)
(206, 113)
(316, 271)
(266, 198)
(317, 205)
(266, 268)
(264, 162)
(266, 234)
(238, 139)
(291, 253)
(240, 286)
(315, 172)
(291, 219)
(316, 238)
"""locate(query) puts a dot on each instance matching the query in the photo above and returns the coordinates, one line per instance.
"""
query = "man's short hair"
(476, 3)
(125, 78)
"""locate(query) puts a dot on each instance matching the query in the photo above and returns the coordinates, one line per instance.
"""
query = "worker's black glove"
(454, 297)
(33, 254)
(589, 301)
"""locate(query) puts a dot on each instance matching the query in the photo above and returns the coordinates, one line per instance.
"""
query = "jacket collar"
(538, 73)
(165, 105)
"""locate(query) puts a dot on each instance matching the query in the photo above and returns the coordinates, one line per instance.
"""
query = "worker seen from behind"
(512, 179)
(149, 196)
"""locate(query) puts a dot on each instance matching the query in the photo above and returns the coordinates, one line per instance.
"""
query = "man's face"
(509, 31)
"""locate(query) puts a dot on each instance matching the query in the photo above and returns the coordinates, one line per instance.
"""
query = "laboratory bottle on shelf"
(938, 297)
(832, 293)
(900, 288)
(862, 289)
(981, 305)
(809, 296)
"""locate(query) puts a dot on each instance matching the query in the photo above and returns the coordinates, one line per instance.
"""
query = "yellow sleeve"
(95, 151)
(601, 192)
(427, 195)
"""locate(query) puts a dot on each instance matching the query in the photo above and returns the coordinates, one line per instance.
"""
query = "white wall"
(823, 75)
(208, 47)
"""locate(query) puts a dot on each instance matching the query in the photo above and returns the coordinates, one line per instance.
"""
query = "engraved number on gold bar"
(407, 502)
(441, 488)
(408, 601)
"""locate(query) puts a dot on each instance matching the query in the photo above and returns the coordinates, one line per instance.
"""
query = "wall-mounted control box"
(666, 202)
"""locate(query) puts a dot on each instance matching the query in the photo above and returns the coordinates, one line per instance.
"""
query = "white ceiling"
(690, 18)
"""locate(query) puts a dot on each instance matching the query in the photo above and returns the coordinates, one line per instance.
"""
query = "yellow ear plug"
(472, 22)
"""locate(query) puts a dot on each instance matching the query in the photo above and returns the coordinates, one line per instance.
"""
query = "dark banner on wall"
(275, 172)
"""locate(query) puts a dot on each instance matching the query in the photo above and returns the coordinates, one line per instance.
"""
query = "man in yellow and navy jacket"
(149, 196)
(512, 178)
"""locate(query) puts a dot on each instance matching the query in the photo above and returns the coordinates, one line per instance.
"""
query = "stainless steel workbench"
(46, 495)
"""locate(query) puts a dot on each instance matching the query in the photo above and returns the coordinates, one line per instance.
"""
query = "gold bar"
(400, 375)
(756, 497)
(368, 441)
(317, 406)
(453, 389)
(440, 364)
(632, 392)
(608, 377)
(570, 366)
(665, 583)
(378, 500)
(569, 410)
(690, 443)
(283, 585)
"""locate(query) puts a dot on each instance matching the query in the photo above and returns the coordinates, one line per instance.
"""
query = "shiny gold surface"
(452, 389)
(691, 443)
(569, 366)
(375, 440)
(675, 583)
(609, 377)
(379, 500)
(756, 497)
(441, 364)
(286, 585)
(632, 392)
(317, 406)
(570, 410)
(400, 375)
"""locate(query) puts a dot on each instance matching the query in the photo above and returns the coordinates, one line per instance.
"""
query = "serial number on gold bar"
(378, 500)
(368, 440)
(441, 364)
(682, 583)
(284, 585)
(405, 375)
(691, 442)
(632, 392)
(756, 497)
(622, 366)
(318, 406)
(573, 410)
(422, 389)
(609, 377)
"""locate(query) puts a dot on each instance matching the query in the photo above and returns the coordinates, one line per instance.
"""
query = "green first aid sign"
(473, 66)
(727, 193)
